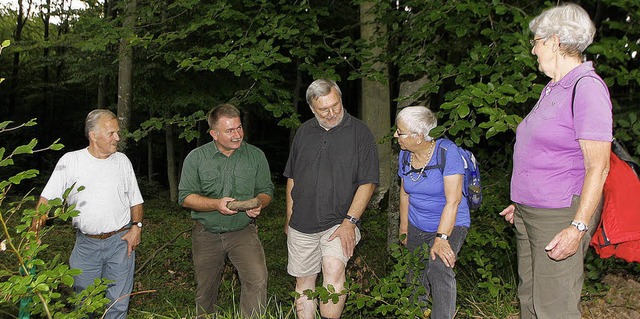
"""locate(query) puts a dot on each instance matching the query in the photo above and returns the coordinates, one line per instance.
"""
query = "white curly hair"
(570, 23)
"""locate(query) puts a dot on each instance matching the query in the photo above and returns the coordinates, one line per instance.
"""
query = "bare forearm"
(361, 200)
(453, 196)
(200, 203)
(591, 195)
(596, 161)
(289, 199)
(137, 213)
(264, 199)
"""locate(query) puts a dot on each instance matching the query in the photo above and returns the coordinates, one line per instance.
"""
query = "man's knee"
(333, 270)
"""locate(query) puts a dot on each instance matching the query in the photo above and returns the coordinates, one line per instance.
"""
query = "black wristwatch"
(139, 224)
(443, 236)
(352, 219)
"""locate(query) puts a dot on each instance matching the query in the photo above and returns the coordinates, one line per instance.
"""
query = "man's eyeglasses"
(533, 41)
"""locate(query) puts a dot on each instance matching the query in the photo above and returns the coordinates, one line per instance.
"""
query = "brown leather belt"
(109, 234)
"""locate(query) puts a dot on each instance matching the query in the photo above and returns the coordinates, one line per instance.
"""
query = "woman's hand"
(564, 244)
(442, 249)
(507, 213)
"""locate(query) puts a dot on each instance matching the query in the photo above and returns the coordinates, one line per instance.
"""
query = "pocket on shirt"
(245, 181)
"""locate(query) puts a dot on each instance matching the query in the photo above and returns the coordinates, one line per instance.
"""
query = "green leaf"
(26, 149)
(463, 110)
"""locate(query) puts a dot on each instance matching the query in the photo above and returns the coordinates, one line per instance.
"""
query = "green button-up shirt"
(209, 173)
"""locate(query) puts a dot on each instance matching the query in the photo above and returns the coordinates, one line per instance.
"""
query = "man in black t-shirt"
(332, 172)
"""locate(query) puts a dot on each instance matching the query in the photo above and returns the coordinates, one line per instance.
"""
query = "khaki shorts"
(307, 250)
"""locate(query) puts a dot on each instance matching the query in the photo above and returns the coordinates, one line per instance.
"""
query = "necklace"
(415, 179)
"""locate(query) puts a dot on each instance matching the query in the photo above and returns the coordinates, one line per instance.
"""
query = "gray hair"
(570, 23)
(418, 120)
(94, 117)
(321, 87)
(222, 110)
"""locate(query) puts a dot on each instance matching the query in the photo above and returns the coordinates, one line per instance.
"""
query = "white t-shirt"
(111, 189)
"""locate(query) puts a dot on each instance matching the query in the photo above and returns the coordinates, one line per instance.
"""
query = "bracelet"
(443, 236)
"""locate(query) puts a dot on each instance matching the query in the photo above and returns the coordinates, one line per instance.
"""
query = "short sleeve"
(592, 116)
(454, 164)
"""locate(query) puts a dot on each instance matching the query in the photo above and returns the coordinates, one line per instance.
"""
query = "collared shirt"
(110, 190)
(548, 164)
(241, 176)
(327, 167)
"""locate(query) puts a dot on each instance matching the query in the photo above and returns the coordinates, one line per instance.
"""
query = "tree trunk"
(172, 175)
(150, 158)
(296, 98)
(21, 21)
(46, 78)
(376, 100)
(125, 69)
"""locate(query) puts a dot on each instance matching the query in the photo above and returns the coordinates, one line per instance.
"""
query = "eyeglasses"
(335, 109)
(404, 135)
(533, 41)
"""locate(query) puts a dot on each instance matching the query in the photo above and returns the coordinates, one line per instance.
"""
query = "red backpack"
(618, 233)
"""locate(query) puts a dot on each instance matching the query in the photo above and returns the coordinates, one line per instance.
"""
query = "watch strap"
(580, 226)
(352, 219)
(443, 236)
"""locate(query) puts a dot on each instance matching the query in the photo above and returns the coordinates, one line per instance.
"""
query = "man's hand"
(222, 206)
(132, 237)
(347, 234)
(507, 213)
(254, 212)
(564, 244)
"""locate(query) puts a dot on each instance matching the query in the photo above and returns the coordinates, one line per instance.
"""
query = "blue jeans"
(438, 279)
(244, 249)
(105, 258)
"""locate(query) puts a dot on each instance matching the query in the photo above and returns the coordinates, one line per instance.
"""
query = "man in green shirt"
(214, 175)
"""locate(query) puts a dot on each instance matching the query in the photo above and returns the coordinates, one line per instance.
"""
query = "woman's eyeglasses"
(533, 41)
(404, 135)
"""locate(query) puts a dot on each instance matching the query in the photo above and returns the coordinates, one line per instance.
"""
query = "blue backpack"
(471, 186)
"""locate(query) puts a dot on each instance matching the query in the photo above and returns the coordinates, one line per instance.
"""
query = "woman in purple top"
(433, 215)
(560, 163)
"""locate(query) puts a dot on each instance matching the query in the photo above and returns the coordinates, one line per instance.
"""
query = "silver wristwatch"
(580, 225)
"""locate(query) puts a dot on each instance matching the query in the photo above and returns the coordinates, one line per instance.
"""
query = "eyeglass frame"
(404, 135)
(535, 40)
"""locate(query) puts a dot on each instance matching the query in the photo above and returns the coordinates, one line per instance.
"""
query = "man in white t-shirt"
(110, 220)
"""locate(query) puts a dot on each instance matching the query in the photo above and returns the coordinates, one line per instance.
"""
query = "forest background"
(161, 65)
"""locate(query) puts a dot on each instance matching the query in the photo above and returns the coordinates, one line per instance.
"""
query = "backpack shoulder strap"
(573, 94)
(444, 145)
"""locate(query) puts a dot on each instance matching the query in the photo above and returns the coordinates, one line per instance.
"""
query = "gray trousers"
(438, 279)
(244, 249)
(549, 288)
(105, 258)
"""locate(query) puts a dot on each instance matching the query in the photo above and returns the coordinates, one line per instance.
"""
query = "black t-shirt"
(327, 167)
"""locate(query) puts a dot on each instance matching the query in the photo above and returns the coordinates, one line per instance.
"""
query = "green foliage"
(38, 284)
(4, 44)
(389, 296)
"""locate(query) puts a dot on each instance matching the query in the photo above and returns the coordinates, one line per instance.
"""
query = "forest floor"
(621, 301)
